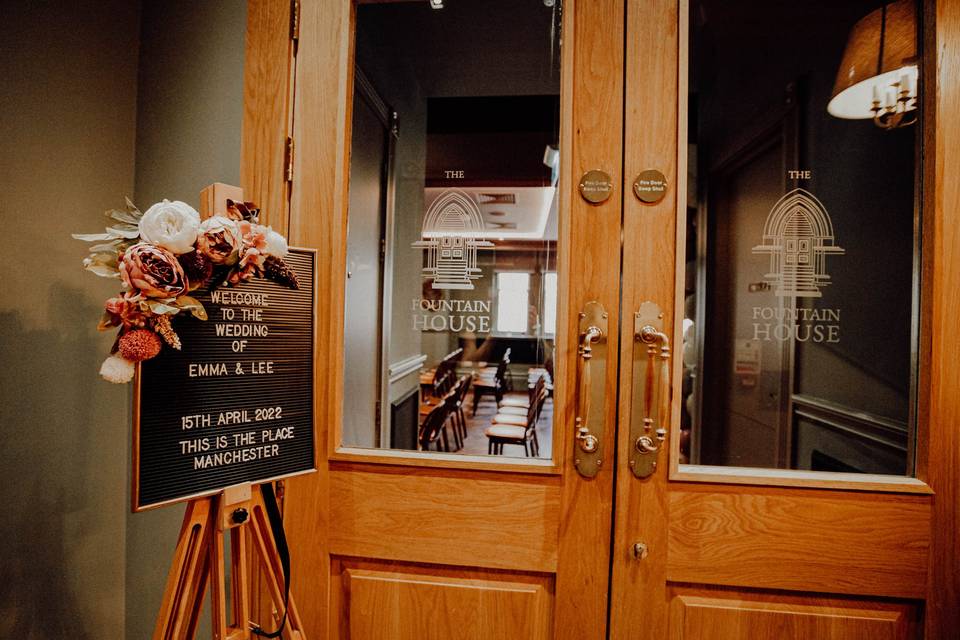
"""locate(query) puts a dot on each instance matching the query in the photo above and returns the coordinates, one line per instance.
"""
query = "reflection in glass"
(800, 317)
(450, 302)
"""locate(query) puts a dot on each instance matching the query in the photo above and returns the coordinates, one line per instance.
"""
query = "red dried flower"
(139, 345)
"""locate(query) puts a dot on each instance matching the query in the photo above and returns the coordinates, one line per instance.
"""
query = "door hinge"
(295, 20)
(288, 160)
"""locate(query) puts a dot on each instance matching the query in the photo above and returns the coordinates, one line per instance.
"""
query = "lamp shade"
(881, 50)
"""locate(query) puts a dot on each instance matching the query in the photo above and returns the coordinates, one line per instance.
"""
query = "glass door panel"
(451, 284)
(802, 237)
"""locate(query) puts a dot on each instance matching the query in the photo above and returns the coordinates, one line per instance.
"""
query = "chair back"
(433, 425)
(464, 388)
(448, 364)
(442, 384)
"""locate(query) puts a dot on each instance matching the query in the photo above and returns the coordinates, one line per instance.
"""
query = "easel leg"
(187, 579)
(199, 558)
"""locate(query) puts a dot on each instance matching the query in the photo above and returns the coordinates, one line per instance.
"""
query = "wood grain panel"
(463, 519)
(401, 605)
(942, 471)
(729, 617)
(267, 109)
(318, 220)
(839, 543)
(649, 271)
(591, 137)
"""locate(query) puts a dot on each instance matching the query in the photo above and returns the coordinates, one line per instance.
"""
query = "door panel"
(710, 614)
(416, 602)
(425, 515)
(776, 539)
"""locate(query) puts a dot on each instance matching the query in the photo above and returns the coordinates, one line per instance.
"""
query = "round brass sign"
(650, 186)
(596, 186)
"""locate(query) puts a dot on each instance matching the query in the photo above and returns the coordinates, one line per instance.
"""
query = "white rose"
(276, 244)
(171, 225)
(117, 370)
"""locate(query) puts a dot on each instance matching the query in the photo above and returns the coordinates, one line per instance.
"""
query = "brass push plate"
(592, 358)
(650, 186)
(645, 392)
(596, 186)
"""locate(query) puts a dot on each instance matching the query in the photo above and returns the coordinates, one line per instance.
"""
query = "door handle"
(651, 374)
(588, 427)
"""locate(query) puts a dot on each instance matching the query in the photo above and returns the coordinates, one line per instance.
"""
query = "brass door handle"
(588, 428)
(651, 373)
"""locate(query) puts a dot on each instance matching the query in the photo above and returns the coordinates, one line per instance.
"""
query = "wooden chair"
(463, 388)
(491, 380)
(450, 403)
(433, 431)
(521, 400)
(508, 428)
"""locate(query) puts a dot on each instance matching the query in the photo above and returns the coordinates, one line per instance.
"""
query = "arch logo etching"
(450, 234)
(798, 236)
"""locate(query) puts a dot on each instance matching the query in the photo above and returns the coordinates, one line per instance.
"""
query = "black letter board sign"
(236, 404)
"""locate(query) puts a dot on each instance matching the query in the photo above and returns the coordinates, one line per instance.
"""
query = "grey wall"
(80, 128)
(67, 125)
(189, 116)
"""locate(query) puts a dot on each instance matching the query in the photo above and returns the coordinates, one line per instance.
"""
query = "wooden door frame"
(267, 121)
(938, 454)
(642, 509)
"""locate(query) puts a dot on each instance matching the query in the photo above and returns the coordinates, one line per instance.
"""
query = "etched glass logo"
(798, 236)
(450, 231)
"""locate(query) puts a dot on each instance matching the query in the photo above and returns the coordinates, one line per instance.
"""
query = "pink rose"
(152, 271)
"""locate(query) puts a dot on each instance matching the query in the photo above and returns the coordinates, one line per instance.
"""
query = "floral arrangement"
(163, 255)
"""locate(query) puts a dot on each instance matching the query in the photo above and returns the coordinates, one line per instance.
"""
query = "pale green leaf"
(124, 231)
(162, 309)
(194, 306)
(113, 245)
(122, 216)
(92, 237)
(132, 209)
(102, 270)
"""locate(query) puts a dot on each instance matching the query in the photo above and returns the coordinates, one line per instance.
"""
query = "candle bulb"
(876, 95)
(905, 84)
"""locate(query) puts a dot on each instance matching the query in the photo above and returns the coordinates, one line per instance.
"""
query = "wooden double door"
(594, 541)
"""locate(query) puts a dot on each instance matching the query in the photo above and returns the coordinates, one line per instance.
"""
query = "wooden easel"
(199, 559)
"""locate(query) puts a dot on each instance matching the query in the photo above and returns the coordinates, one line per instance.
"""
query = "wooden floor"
(476, 443)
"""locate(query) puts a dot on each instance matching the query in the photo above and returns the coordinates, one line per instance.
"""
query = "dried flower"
(139, 345)
(162, 325)
(242, 211)
(117, 370)
(171, 225)
(197, 268)
(252, 252)
(220, 239)
(279, 271)
(125, 310)
(152, 271)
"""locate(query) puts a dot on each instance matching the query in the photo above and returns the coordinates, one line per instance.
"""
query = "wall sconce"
(436, 4)
(879, 72)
